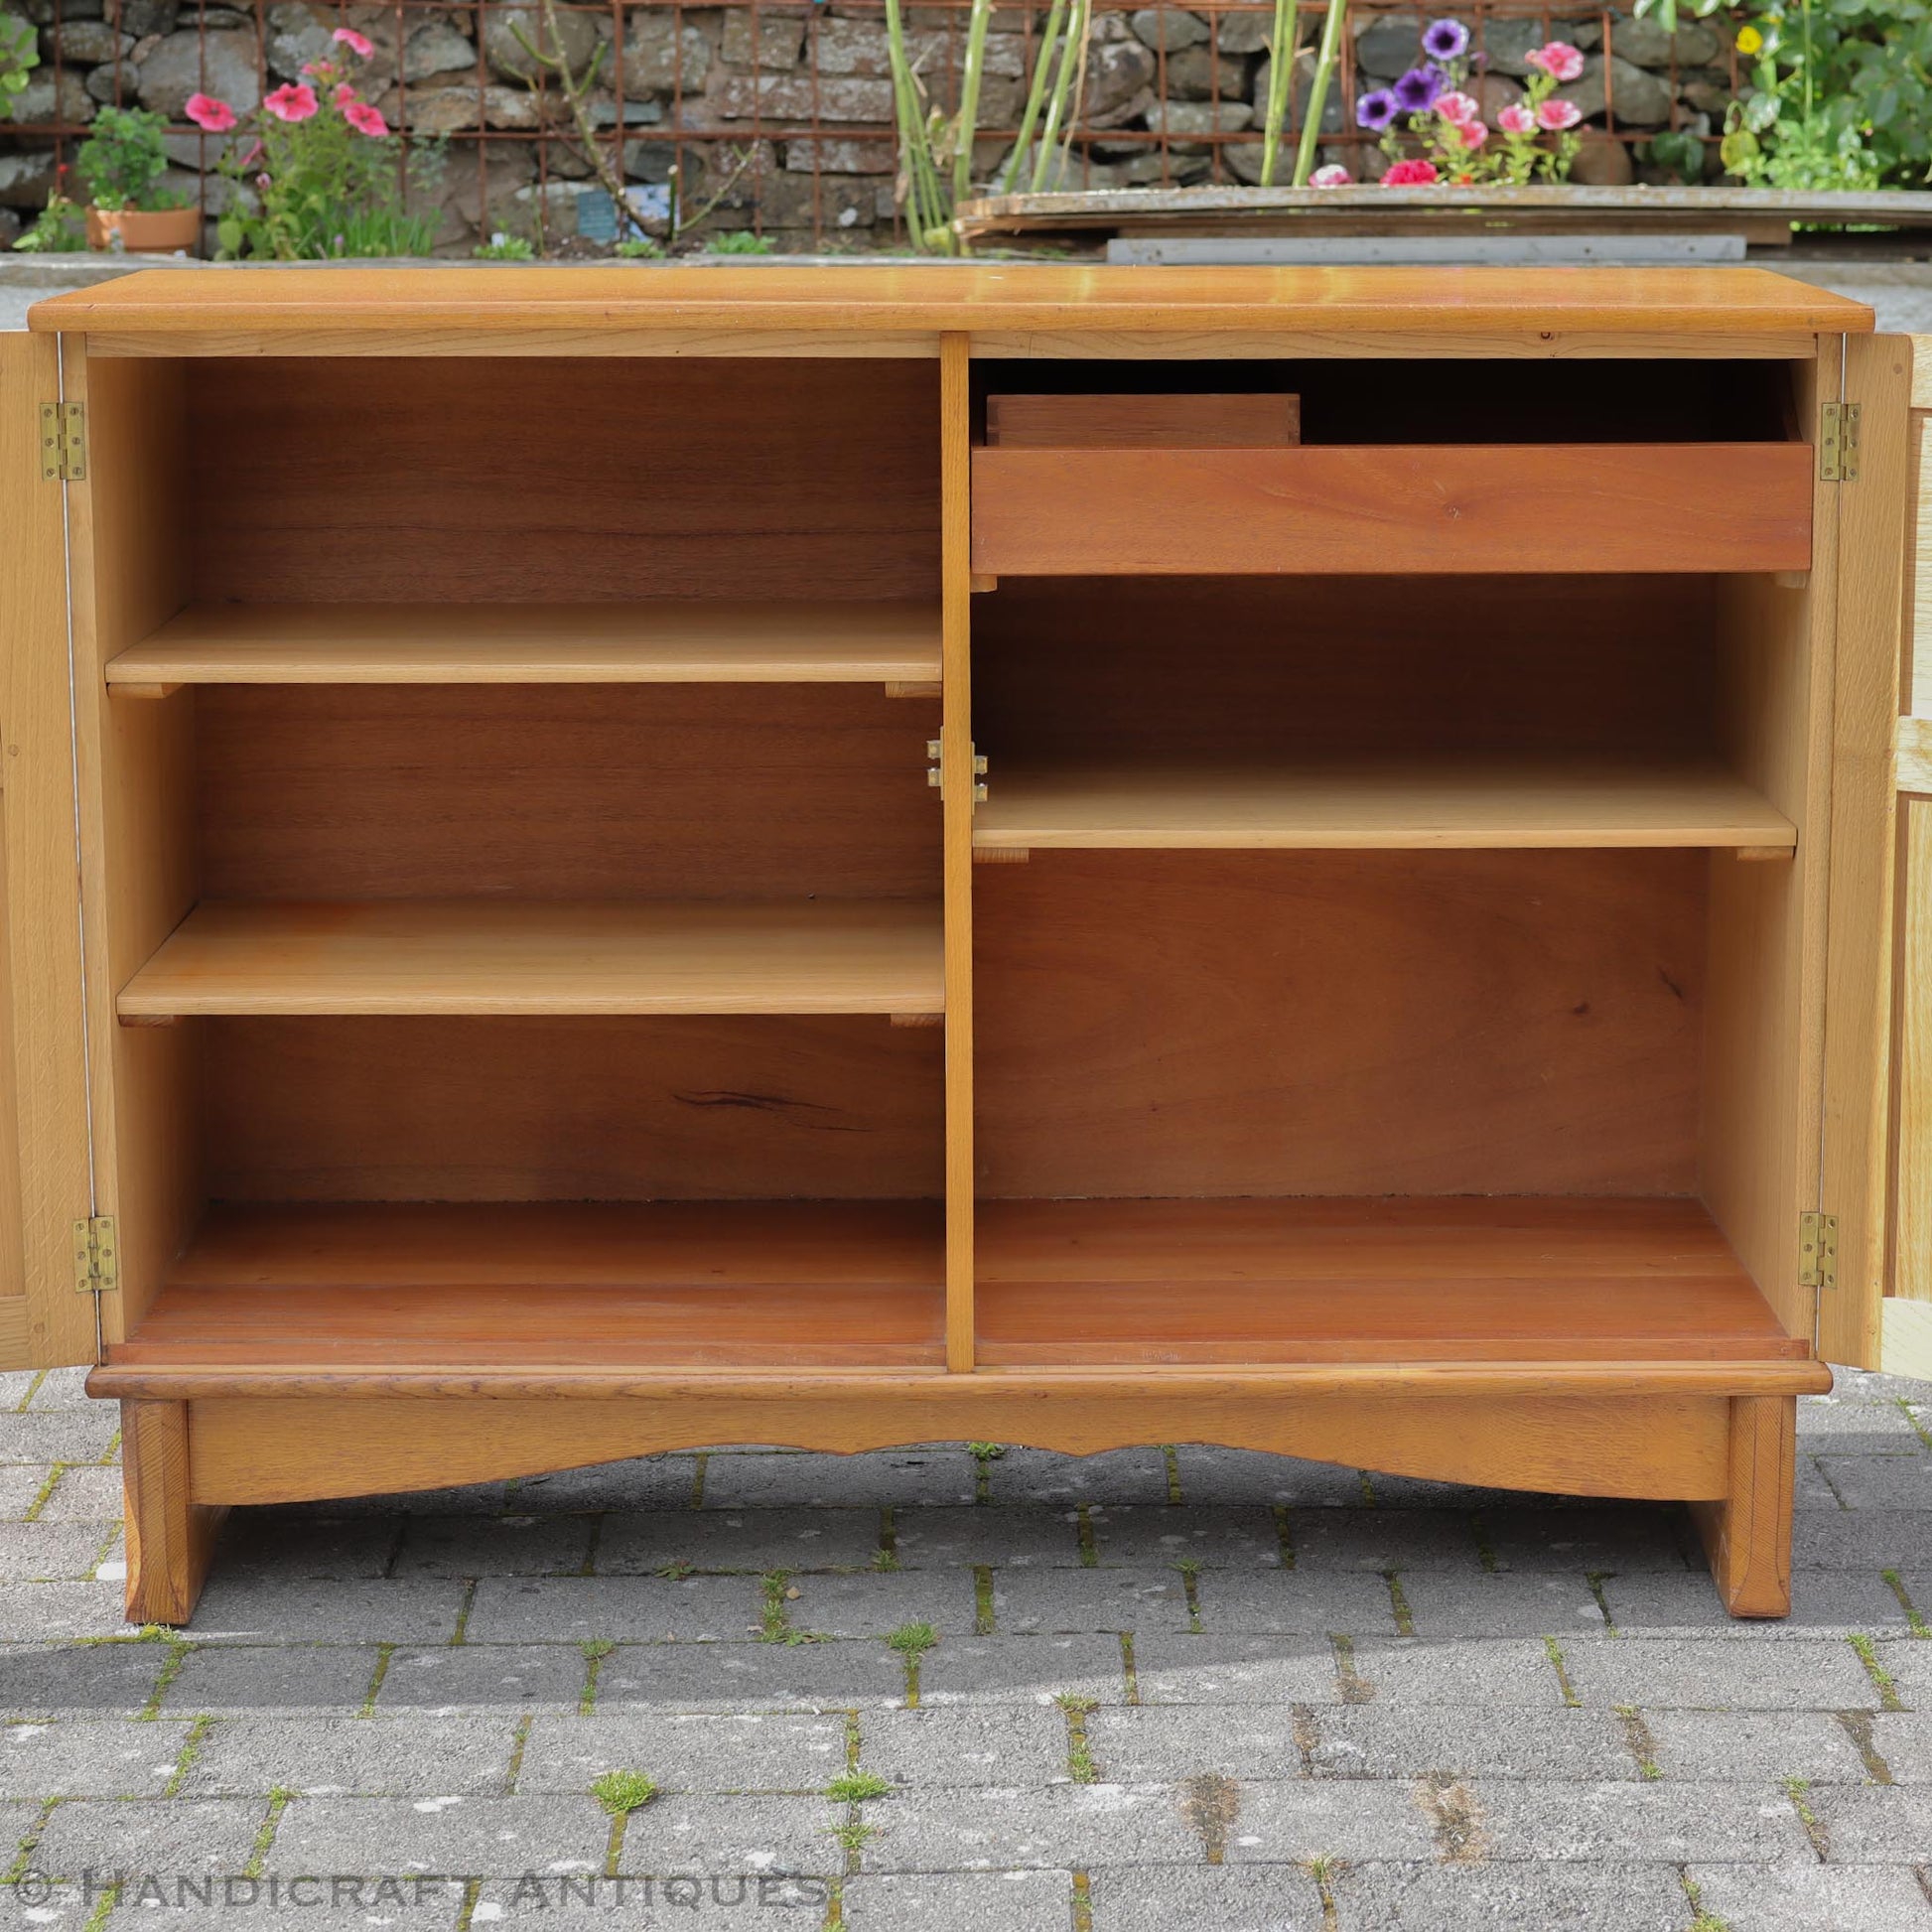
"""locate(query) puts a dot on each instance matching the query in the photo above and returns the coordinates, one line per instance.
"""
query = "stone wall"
(783, 114)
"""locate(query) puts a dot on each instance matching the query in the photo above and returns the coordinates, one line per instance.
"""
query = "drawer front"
(1393, 509)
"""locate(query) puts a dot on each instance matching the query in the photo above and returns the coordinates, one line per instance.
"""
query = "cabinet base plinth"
(1747, 1531)
(170, 1534)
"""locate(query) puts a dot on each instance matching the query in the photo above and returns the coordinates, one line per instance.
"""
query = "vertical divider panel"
(957, 780)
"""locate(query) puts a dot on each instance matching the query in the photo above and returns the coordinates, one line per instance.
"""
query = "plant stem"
(1324, 74)
(1035, 94)
(1283, 47)
(1073, 62)
(925, 203)
(969, 98)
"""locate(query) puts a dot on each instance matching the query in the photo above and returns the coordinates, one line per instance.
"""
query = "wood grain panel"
(548, 480)
(1372, 1022)
(170, 1534)
(1142, 422)
(1747, 1533)
(1913, 1174)
(663, 791)
(571, 1109)
(1316, 509)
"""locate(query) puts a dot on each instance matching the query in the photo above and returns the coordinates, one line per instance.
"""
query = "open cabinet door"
(46, 1319)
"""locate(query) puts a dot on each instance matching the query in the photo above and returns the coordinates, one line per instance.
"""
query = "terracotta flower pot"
(160, 231)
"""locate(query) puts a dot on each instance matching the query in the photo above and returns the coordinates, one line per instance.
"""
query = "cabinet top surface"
(965, 296)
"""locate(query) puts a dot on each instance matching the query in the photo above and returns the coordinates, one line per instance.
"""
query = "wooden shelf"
(690, 1283)
(534, 956)
(680, 641)
(1395, 1279)
(1420, 803)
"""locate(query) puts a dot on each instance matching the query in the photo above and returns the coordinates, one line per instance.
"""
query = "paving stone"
(84, 1494)
(1781, 1673)
(1383, 1539)
(44, 1552)
(1853, 1425)
(647, 1483)
(638, 1542)
(67, 1388)
(1064, 1601)
(1903, 1738)
(1066, 1827)
(488, 1675)
(400, 1757)
(1908, 1663)
(875, 1605)
(1879, 1481)
(92, 1680)
(1390, 1898)
(1230, 1898)
(292, 1610)
(274, 1546)
(752, 1676)
(16, 1385)
(162, 1835)
(273, 1678)
(1031, 1475)
(1210, 1474)
(688, 1901)
(1278, 1821)
(106, 1760)
(772, 1751)
(1022, 1670)
(900, 1478)
(21, 1484)
(616, 1609)
(1387, 1740)
(59, 1435)
(1452, 1671)
(936, 1749)
(471, 1498)
(62, 1609)
(1871, 1385)
(959, 1901)
(675, 1833)
(397, 1904)
(1306, 1602)
(1214, 1535)
(1515, 1604)
(1619, 1537)
(1014, 1536)
(1628, 1823)
(1858, 1539)
(1875, 1824)
(1809, 1489)
(1820, 1600)
(495, 1546)
(1806, 1897)
(1771, 1744)
(1168, 1743)
(495, 1838)
(1235, 1670)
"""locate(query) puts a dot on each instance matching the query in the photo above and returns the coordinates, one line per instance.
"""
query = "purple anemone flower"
(1417, 90)
(1377, 110)
(1446, 40)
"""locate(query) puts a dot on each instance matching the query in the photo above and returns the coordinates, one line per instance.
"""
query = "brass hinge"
(96, 1256)
(1838, 442)
(63, 442)
(936, 777)
(1817, 1249)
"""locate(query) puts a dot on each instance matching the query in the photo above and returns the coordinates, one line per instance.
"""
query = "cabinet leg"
(169, 1539)
(1747, 1532)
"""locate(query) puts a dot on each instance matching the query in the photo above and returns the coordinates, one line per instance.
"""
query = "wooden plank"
(1369, 509)
(481, 956)
(1747, 1534)
(958, 780)
(1423, 805)
(1142, 422)
(670, 641)
(1262, 343)
(576, 306)
(265, 1452)
(1854, 1181)
(170, 1535)
(1911, 1276)
(1908, 1336)
(1916, 694)
(44, 1178)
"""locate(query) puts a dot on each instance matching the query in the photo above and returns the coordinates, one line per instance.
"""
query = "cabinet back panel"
(1213, 667)
(533, 479)
(624, 791)
(572, 1109)
(1386, 1023)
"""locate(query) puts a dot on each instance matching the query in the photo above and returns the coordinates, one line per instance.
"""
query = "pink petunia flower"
(1552, 116)
(1472, 134)
(366, 119)
(1332, 176)
(1558, 59)
(211, 115)
(1457, 108)
(1516, 119)
(1411, 174)
(358, 43)
(343, 93)
(293, 103)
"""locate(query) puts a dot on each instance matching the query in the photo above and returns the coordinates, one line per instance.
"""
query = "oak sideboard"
(605, 859)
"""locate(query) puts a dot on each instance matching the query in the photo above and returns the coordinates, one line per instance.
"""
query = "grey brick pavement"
(1193, 1688)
